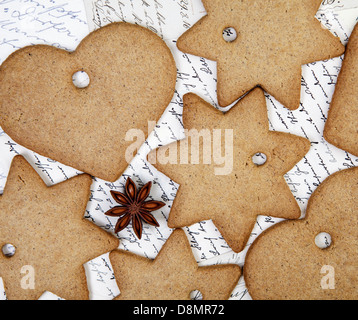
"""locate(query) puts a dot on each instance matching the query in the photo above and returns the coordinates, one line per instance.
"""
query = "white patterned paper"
(339, 16)
(240, 292)
(48, 295)
(57, 23)
(51, 172)
(206, 241)
(323, 159)
(101, 281)
(2, 290)
(163, 189)
(168, 19)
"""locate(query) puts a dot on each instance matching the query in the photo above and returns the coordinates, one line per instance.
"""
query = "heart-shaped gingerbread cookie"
(132, 80)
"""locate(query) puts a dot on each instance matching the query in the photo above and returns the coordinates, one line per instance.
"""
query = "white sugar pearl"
(81, 79)
(8, 250)
(196, 295)
(323, 240)
(259, 158)
(229, 34)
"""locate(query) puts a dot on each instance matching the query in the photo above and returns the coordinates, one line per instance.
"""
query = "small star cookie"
(274, 38)
(51, 238)
(173, 275)
(217, 169)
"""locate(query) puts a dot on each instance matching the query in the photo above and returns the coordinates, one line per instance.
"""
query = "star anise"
(134, 207)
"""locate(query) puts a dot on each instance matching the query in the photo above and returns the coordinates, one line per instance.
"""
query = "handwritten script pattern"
(52, 172)
(339, 17)
(58, 23)
(101, 281)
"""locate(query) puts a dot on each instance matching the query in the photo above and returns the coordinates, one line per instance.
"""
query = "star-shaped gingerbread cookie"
(173, 275)
(218, 177)
(314, 258)
(342, 124)
(273, 39)
(51, 238)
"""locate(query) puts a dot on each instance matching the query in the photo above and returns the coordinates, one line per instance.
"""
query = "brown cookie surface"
(132, 80)
(217, 176)
(172, 275)
(342, 125)
(51, 237)
(285, 263)
(274, 38)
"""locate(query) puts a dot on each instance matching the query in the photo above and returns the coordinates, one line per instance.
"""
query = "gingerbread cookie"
(48, 239)
(77, 107)
(341, 128)
(260, 42)
(314, 258)
(230, 167)
(173, 275)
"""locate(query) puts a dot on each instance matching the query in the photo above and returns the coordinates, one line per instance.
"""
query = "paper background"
(24, 22)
